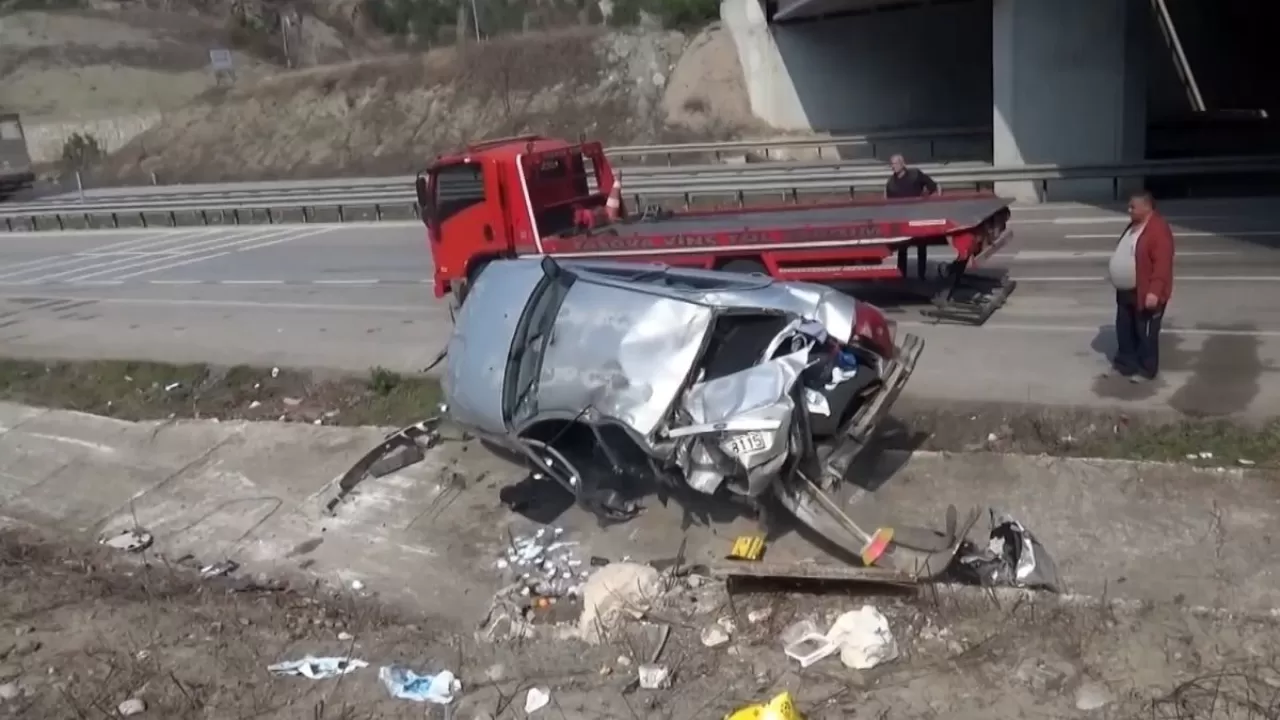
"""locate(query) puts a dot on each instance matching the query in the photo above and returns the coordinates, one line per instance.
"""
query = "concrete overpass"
(1066, 81)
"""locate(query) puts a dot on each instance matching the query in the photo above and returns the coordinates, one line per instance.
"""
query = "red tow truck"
(532, 195)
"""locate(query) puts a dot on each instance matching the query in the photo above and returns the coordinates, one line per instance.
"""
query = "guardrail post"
(61, 225)
(173, 218)
(377, 212)
(204, 217)
(115, 220)
(154, 180)
(305, 218)
(933, 149)
(341, 215)
(742, 199)
(142, 218)
(8, 224)
(271, 218)
(688, 201)
(235, 216)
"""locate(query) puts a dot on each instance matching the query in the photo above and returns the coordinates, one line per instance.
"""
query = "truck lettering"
(614, 243)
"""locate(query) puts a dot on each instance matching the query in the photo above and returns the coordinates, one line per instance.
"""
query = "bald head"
(898, 163)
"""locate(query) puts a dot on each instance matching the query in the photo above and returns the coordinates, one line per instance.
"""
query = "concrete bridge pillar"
(1068, 87)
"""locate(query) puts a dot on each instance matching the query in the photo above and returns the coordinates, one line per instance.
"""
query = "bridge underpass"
(1059, 81)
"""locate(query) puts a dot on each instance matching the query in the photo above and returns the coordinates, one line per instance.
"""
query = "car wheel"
(745, 266)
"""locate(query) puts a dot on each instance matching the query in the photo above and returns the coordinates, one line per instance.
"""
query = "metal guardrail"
(631, 177)
(871, 140)
(676, 185)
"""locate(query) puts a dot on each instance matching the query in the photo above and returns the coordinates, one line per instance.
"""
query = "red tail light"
(872, 330)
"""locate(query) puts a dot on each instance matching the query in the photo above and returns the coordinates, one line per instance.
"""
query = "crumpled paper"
(318, 668)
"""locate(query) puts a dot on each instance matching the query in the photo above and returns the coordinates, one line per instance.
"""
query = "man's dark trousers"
(1137, 336)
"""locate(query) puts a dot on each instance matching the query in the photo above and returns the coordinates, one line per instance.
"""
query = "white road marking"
(1093, 329)
(249, 282)
(1177, 235)
(345, 282)
(1177, 278)
(1051, 255)
(64, 265)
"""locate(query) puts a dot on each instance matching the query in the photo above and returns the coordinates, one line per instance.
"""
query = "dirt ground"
(144, 390)
(84, 628)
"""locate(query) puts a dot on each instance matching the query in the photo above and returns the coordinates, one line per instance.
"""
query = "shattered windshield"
(532, 335)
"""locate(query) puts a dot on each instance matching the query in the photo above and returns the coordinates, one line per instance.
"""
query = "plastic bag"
(779, 708)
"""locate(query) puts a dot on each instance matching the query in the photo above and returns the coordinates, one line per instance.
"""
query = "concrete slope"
(424, 538)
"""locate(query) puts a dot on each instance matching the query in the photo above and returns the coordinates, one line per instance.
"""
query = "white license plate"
(744, 444)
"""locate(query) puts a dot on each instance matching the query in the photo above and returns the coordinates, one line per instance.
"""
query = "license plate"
(744, 444)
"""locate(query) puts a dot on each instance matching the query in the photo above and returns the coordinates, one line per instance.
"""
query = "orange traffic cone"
(613, 205)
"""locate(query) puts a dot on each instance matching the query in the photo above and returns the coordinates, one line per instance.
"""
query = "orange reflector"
(875, 547)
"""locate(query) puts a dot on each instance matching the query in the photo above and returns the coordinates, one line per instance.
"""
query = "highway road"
(354, 296)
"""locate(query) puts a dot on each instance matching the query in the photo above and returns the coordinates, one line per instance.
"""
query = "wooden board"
(808, 571)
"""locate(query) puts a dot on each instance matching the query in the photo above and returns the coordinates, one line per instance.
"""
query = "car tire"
(745, 266)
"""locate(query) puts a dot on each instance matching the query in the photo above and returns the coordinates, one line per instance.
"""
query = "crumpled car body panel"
(624, 341)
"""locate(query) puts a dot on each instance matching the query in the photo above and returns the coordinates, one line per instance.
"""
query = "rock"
(25, 646)
(1092, 696)
(10, 691)
(714, 636)
(131, 707)
(611, 591)
(345, 636)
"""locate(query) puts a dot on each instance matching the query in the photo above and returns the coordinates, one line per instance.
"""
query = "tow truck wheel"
(745, 266)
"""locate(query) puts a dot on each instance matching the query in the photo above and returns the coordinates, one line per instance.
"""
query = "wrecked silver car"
(620, 379)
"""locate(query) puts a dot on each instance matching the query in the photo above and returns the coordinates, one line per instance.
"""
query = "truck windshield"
(457, 187)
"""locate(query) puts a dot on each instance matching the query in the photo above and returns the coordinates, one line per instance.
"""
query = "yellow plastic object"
(747, 547)
(779, 708)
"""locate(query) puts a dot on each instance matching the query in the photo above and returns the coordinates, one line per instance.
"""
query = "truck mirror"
(420, 185)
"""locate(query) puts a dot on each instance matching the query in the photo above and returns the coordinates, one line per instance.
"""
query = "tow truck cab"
(500, 198)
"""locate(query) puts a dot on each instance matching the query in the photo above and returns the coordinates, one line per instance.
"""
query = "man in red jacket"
(1141, 271)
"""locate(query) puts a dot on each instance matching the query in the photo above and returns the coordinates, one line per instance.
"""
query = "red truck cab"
(532, 195)
(501, 198)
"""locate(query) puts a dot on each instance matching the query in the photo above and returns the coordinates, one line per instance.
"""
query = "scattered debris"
(759, 615)
(1092, 696)
(654, 677)
(536, 699)
(318, 668)
(405, 684)
(397, 451)
(131, 707)
(781, 707)
(129, 540)
(747, 547)
(803, 643)
(226, 567)
(544, 564)
(1013, 557)
(714, 636)
(612, 590)
(10, 691)
(357, 585)
(864, 638)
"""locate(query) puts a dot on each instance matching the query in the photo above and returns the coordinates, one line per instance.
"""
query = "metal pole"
(475, 19)
(1179, 57)
(80, 186)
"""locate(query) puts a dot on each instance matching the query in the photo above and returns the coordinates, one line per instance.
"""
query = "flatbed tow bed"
(533, 196)
(860, 242)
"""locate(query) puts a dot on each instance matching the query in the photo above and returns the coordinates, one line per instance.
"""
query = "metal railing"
(832, 146)
(738, 183)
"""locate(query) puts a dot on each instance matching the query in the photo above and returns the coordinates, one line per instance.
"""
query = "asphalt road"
(355, 296)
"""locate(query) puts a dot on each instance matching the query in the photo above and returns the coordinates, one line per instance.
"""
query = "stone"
(1092, 696)
(10, 691)
(131, 707)
(612, 591)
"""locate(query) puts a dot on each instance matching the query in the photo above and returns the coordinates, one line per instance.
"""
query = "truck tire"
(745, 266)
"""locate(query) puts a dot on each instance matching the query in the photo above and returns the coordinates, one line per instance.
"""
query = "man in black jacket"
(907, 182)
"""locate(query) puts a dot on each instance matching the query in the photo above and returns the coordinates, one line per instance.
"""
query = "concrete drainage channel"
(636, 616)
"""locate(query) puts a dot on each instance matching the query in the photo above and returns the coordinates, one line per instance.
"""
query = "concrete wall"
(912, 68)
(45, 140)
(1069, 86)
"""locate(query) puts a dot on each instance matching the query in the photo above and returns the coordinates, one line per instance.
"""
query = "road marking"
(345, 282)
(1178, 278)
(1041, 255)
(1179, 235)
(64, 265)
(189, 261)
(416, 309)
(1092, 329)
(250, 282)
